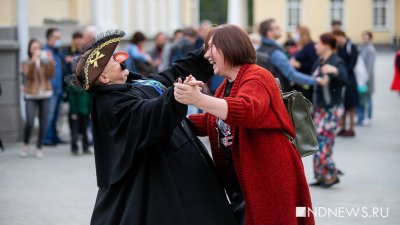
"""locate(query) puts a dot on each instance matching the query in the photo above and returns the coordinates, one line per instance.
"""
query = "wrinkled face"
(216, 58)
(320, 48)
(115, 73)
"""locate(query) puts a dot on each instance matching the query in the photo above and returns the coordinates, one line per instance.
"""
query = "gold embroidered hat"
(88, 66)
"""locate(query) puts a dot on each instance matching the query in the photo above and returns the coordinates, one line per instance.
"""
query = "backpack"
(298, 108)
(264, 60)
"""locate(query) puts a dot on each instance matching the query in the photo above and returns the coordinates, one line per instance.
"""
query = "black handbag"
(299, 109)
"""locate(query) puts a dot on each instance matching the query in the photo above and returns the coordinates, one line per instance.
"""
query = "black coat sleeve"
(151, 120)
(342, 75)
(353, 59)
(194, 64)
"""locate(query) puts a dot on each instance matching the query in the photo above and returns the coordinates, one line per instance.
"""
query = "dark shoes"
(326, 183)
(316, 183)
(346, 133)
(330, 182)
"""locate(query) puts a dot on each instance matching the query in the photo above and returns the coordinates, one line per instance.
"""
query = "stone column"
(152, 15)
(175, 14)
(125, 17)
(22, 28)
(237, 12)
(139, 15)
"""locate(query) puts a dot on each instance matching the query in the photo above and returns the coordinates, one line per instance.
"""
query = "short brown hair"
(339, 33)
(265, 26)
(234, 43)
(368, 33)
(138, 37)
(328, 39)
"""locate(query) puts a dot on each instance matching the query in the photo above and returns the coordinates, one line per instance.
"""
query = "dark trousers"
(51, 133)
(78, 126)
(32, 106)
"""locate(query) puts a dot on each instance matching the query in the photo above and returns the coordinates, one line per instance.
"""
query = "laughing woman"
(245, 123)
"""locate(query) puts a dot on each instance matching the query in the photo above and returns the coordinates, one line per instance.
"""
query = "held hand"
(296, 64)
(329, 69)
(190, 80)
(187, 94)
(323, 81)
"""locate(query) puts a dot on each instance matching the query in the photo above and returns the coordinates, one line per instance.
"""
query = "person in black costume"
(151, 169)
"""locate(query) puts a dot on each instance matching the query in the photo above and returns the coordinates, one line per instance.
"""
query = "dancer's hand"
(189, 91)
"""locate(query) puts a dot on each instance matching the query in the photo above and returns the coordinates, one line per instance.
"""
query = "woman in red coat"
(245, 123)
(396, 79)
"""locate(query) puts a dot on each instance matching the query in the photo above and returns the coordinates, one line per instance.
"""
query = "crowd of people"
(151, 168)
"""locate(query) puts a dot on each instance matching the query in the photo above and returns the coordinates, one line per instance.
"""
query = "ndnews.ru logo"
(342, 212)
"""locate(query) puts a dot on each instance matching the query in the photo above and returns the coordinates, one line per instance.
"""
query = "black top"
(331, 95)
(150, 168)
(348, 53)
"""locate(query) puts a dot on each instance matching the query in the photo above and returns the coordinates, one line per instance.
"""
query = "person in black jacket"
(328, 107)
(348, 53)
(150, 167)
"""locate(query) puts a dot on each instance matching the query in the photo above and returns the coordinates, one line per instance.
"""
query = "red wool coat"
(396, 79)
(269, 169)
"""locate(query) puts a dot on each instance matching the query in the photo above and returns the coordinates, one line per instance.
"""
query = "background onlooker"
(368, 54)
(395, 86)
(157, 53)
(336, 25)
(139, 61)
(347, 51)
(79, 100)
(167, 60)
(53, 45)
(328, 107)
(304, 59)
(38, 70)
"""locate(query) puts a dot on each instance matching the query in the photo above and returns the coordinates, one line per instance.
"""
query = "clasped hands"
(188, 92)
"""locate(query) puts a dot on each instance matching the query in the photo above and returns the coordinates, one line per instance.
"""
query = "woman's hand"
(296, 64)
(324, 80)
(329, 69)
(188, 92)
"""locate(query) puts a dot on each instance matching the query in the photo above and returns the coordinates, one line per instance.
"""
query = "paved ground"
(61, 188)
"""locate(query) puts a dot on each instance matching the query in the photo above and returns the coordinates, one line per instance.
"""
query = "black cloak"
(151, 169)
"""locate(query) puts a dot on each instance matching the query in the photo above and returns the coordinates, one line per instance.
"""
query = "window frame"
(299, 7)
(379, 4)
(332, 4)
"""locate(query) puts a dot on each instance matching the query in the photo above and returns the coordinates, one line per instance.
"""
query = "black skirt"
(351, 98)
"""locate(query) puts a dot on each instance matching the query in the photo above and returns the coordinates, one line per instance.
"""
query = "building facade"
(382, 17)
(149, 16)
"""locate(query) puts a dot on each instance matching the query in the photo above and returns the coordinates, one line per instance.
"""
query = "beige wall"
(7, 15)
(315, 15)
(316, 20)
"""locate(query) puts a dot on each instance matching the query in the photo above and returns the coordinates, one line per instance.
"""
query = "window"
(380, 8)
(337, 11)
(293, 14)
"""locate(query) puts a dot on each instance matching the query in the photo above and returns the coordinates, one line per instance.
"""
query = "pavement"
(61, 188)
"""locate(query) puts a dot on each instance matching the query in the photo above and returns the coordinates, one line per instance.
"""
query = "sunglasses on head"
(120, 57)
